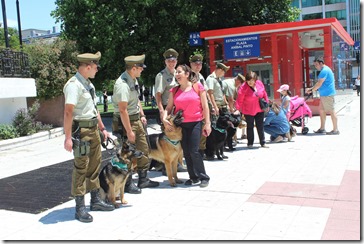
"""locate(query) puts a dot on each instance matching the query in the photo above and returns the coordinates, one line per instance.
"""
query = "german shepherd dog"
(216, 140)
(166, 147)
(114, 174)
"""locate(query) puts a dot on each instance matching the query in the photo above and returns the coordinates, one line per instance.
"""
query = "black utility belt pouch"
(80, 148)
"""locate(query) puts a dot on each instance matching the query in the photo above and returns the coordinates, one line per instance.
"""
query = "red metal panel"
(275, 66)
(328, 47)
(297, 65)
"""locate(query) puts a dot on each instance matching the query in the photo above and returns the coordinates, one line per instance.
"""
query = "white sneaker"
(278, 139)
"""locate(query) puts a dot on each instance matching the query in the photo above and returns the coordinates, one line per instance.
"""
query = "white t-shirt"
(357, 82)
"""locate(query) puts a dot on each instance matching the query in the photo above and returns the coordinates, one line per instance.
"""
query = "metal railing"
(14, 64)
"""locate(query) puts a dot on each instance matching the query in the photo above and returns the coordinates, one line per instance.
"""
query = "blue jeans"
(273, 131)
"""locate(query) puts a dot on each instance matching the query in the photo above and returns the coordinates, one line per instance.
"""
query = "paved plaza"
(307, 189)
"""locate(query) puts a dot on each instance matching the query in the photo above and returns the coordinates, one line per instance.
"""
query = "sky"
(34, 14)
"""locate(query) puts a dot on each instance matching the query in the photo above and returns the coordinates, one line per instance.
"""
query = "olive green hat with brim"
(241, 77)
(135, 60)
(196, 58)
(222, 66)
(88, 58)
(170, 54)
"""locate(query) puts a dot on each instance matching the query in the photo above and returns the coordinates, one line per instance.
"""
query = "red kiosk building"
(283, 53)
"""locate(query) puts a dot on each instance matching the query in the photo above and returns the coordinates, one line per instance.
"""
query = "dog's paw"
(124, 201)
(117, 205)
(173, 184)
(178, 181)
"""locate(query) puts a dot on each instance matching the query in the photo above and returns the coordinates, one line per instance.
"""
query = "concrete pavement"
(308, 189)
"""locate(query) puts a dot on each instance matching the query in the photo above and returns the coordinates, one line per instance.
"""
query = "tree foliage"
(13, 38)
(119, 28)
(51, 65)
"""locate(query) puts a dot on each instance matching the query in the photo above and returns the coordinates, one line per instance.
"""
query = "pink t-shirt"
(247, 102)
(189, 102)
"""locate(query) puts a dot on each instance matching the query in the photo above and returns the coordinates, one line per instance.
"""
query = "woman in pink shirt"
(247, 103)
(190, 97)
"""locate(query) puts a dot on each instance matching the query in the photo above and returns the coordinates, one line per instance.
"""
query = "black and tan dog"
(231, 130)
(216, 140)
(166, 147)
(114, 174)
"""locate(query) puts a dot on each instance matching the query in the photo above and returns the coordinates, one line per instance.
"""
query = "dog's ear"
(178, 119)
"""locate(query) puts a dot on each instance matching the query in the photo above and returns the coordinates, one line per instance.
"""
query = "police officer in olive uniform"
(215, 90)
(196, 66)
(129, 120)
(82, 123)
(165, 80)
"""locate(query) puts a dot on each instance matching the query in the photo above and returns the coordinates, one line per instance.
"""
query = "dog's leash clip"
(106, 143)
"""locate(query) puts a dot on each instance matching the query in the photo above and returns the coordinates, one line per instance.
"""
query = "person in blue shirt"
(276, 123)
(326, 87)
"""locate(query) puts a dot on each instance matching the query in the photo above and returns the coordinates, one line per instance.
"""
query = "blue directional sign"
(195, 39)
(242, 46)
(357, 46)
(344, 46)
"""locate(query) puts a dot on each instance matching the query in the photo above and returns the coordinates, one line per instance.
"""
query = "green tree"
(51, 65)
(13, 38)
(119, 28)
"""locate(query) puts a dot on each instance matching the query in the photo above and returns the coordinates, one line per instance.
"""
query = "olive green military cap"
(88, 58)
(196, 58)
(170, 54)
(135, 60)
(222, 66)
(241, 77)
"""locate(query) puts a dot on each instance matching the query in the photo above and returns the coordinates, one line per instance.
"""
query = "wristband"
(141, 116)
(103, 129)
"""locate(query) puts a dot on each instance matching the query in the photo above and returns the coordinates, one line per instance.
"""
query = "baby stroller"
(299, 112)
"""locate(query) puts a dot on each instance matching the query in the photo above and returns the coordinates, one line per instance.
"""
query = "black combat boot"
(97, 204)
(81, 213)
(144, 182)
(130, 187)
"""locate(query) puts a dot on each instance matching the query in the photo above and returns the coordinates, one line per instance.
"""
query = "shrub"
(25, 123)
(8, 132)
(51, 65)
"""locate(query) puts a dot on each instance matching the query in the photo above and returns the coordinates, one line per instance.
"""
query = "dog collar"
(118, 164)
(218, 129)
(170, 141)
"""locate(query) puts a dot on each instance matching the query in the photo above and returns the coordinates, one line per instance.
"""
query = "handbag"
(262, 102)
(354, 87)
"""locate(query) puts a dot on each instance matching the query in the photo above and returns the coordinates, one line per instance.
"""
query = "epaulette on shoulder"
(73, 79)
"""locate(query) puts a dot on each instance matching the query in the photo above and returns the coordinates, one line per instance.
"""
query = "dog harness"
(218, 129)
(174, 143)
(118, 164)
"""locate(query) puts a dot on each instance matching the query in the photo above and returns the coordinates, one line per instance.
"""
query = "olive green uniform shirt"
(164, 81)
(125, 91)
(229, 87)
(213, 84)
(77, 92)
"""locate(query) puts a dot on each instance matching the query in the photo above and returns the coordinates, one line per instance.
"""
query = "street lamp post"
(19, 24)
(6, 34)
